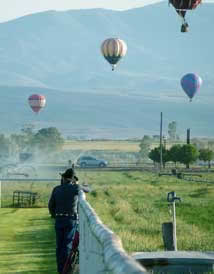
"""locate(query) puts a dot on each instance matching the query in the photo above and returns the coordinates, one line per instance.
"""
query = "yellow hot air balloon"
(113, 49)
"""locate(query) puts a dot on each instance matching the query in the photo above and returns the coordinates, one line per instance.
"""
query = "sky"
(11, 9)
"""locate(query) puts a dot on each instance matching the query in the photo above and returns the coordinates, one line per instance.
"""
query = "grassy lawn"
(27, 241)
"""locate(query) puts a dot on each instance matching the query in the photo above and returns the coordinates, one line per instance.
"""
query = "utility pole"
(161, 145)
(188, 142)
(188, 136)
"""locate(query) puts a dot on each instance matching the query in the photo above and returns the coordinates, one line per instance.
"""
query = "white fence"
(101, 251)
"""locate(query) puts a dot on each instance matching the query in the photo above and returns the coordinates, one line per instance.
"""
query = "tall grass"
(134, 205)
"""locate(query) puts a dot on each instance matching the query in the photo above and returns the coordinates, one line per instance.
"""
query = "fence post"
(169, 229)
(174, 225)
(0, 194)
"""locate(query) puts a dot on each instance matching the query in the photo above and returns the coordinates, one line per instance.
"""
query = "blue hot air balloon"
(191, 83)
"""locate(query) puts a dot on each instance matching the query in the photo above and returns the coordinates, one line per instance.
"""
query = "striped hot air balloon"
(113, 49)
(37, 102)
(191, 83)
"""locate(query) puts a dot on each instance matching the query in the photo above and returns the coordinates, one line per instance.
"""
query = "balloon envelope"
(191, 83)
(182, 6)
(185, 4)
(113, 49)
(37, 102)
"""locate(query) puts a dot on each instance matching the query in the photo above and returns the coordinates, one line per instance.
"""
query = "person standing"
(62, 206)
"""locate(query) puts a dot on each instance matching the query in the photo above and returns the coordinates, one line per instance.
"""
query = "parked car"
(88, 161)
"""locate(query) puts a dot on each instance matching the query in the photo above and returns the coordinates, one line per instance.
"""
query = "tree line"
(178, 153)
(45, 140)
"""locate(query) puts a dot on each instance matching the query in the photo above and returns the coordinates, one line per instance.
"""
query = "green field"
(125, 146)
(132, 204)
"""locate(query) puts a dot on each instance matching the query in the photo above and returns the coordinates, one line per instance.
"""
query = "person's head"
(67, 176)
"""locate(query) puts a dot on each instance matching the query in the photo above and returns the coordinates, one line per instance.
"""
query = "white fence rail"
(101, 251)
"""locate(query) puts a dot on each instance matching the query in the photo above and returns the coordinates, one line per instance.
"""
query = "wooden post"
(188, 136)
(0, 194)
(169, 229)
(18, 198)
(13, 197)
(174, 227)
(161, 130)
(167, 232)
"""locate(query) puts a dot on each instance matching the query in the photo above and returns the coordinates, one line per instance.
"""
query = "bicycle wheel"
(73, 263)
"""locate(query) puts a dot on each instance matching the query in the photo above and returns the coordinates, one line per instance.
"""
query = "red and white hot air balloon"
(37, 102)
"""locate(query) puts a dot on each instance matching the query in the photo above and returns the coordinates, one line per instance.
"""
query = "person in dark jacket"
(63, 207)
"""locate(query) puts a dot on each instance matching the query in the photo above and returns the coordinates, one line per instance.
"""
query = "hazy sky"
(10, 9)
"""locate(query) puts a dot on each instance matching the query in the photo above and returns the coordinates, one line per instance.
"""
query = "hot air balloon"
(37, 102)
(113, 49)
(182, 7)
(191, 84)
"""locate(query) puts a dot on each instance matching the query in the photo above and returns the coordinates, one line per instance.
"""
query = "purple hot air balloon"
(191, 83)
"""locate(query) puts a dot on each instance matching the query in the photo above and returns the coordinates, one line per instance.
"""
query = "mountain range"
(58, 54)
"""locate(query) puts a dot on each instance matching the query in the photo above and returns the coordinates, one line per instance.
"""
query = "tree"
(188, 154)
(23, 142)
(199, 143)
(4, 145)
(145, 146)
(172, 127)
(19, 140)
(154, 155)
(206, 155)
(174, 153)
(48, 139)
(28, 129)
(211, 144)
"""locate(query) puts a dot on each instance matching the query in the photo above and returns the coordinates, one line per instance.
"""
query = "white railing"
(101, 251)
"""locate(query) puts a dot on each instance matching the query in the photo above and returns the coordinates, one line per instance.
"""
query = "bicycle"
(72, 261)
